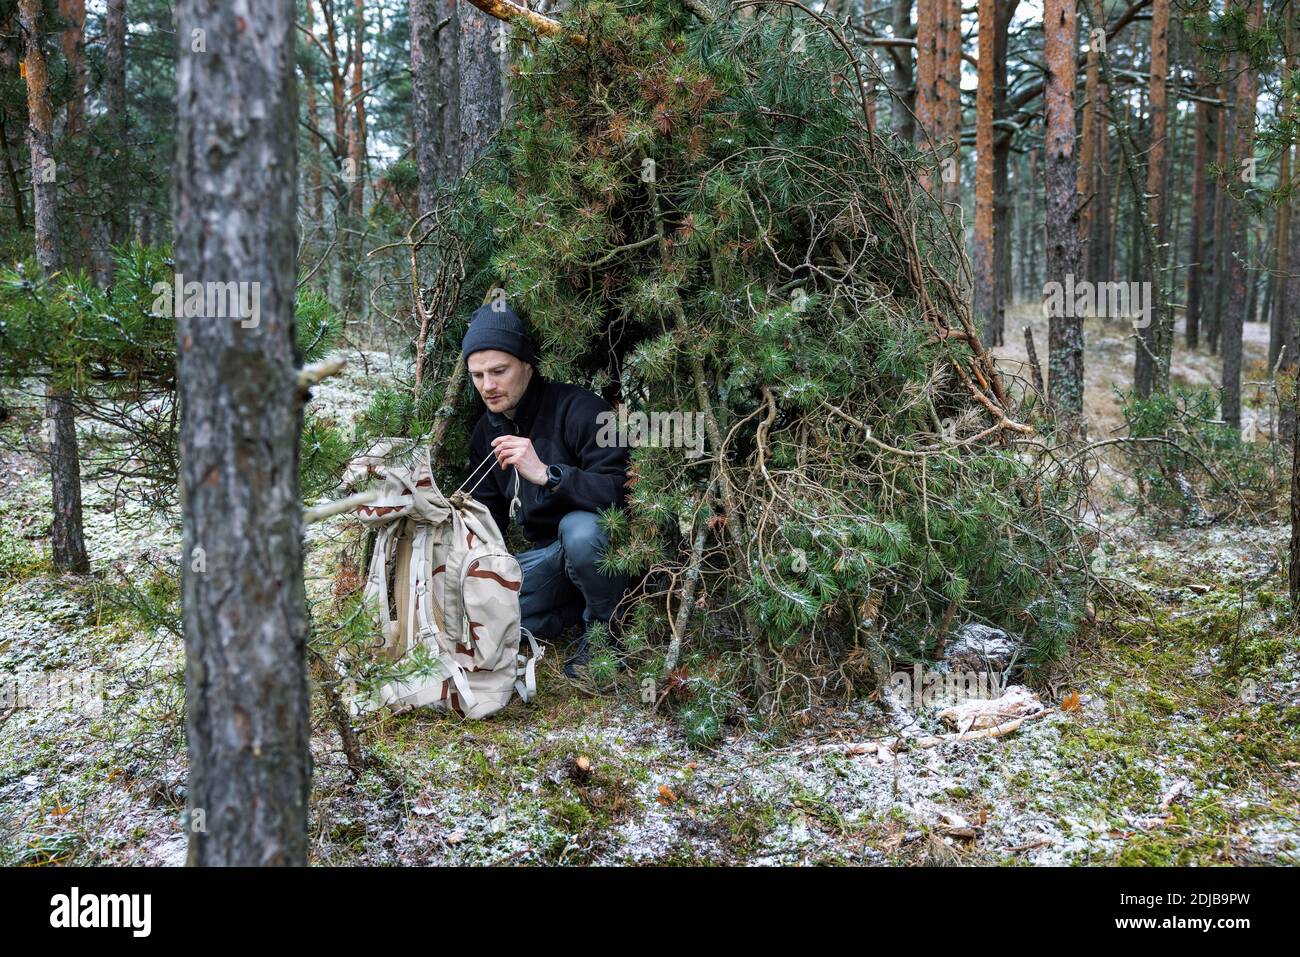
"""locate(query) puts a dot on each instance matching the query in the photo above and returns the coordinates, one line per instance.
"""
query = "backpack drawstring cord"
(514, 500)
(475, 472)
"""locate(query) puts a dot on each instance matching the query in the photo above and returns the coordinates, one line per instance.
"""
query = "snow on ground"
(1182, 748)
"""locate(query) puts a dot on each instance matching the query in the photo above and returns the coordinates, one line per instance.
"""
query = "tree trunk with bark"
(927, 70)
(904, 75)
(1221, 200)
(1157, 337)
(115, 108)
(72, 39)
(1290, 366)
(1002, 289)
(1282, 229)
(425, 92)
(1235, 317)
(1088, 147)
(1290, 418)
(67, 541)
(479, 84)
(357, 133)
(1293, 572)
(1199, 248)
(449, 90)
(243, 600)
(9, 56)
(951, 68)
(985, 264)
(1065, 332)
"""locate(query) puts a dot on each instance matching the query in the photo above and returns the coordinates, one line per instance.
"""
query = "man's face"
(499, 377)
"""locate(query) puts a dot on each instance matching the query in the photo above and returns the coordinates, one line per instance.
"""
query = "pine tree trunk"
(67, 539)
(1065, 336)
(904, 76)
(1103, 223)
(449, 90)
(40, 135)
(115, 107)
(244, 606)
(1035, 231)
(11, 173)
(1222, 199)
(479, 84)
(1198, 250)
(1290, 304)
(68, 546)
(1291, 362)
(72, 39)
(952, 101)
(1252, 284)
(9, 56)
(1154, 340)
(1278, 314)
(338, 97)
(309, 80)
(1088, 148)
(985, 264)
(1293, 572)
(1293, 575)
(1179, 152)
(1002, 289)
(1110, 262)
(425, 117)
(1293, 421)
(1235, 317)
(927, 69)
(1137, 215)
(357, 137)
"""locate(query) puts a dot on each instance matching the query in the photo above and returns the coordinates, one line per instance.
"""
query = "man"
(547, 432)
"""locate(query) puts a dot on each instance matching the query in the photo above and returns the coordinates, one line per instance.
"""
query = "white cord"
(474, 472)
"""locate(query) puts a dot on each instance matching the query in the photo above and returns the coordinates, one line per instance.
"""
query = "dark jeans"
(562, 585)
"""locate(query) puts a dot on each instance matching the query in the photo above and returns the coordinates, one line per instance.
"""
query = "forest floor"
(1184, 747)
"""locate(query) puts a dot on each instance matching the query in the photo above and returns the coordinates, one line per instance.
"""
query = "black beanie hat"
(495, 326)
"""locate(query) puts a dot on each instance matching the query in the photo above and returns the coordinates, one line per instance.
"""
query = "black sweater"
(561, 421)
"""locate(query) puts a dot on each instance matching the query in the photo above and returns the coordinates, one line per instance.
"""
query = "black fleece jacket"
(561, 421)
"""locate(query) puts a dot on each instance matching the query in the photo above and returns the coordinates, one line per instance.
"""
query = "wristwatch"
(553, 476)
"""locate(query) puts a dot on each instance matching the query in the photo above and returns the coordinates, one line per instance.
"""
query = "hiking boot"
(575, 666)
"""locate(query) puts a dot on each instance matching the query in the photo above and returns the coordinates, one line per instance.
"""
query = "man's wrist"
(551, 477)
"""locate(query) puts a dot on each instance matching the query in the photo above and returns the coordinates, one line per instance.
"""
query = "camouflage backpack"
(454, 610)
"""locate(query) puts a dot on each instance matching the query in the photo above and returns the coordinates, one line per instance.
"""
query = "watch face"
(553, 476)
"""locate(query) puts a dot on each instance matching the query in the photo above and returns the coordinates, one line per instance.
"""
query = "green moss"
(1196, 835)
(1162, 703)
(1020, 780)
(570, 814)
(20, 559)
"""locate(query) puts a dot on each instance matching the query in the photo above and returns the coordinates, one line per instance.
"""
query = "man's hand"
(518, 451)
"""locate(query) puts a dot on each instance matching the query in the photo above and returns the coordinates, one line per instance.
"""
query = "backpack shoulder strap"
(526, 668)
(377, 576)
